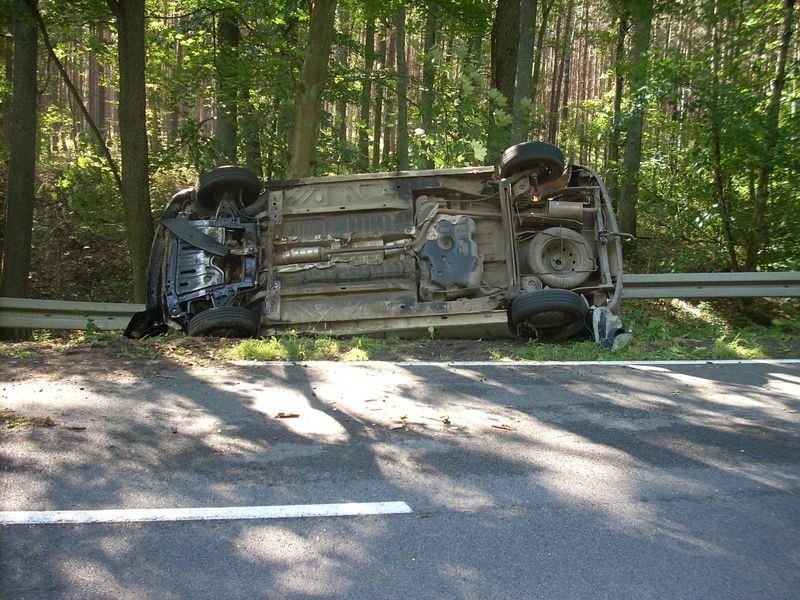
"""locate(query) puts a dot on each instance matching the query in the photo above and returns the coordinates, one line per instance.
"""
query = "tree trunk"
(377, 122)
(308, 93)
(538, 56)
(720, 189)
(555, 84)
(428, 81)
(226, 133)
(401, 153)
(366, 91)
(504, 45)
(567, 77)
(389, 104)
(21, 161)
(759, 233)
(7, 44)
(133, 139)
(251, 125)
(641, 12)
(342, 58)
(524, 89)
(614, 142)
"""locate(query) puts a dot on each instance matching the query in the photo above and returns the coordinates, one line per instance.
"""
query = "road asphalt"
(522, 480)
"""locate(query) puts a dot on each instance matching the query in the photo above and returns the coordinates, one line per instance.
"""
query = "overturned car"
(530, 248)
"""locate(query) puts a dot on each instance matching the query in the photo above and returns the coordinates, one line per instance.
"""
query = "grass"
(11, 420)
(662, 330)
(296, 347)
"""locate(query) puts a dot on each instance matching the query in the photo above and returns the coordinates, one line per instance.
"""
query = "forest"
(687, 108)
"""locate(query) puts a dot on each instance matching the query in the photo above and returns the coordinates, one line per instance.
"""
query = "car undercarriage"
(530, 248)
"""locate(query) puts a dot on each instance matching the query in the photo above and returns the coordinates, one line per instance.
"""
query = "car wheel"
(212, 184)
(548, 313)
(545, 160)
(224, 321)
(560, 257)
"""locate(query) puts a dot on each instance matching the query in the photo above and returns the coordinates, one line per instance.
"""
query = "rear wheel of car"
(548, 313)
(224, 321)
(544, 160)
(237, 180)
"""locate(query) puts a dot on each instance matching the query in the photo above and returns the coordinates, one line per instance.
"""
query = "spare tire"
(548, 313)
(560, 257)
(546, 161)
(230, 178)
(224, 321)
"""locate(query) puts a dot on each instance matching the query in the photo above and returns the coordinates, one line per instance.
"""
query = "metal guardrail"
(785, 284)
(24, 313)
(56, 314)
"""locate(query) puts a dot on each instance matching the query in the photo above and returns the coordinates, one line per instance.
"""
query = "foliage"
(712, 64)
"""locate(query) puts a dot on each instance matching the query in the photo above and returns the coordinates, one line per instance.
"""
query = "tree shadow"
(545, 458)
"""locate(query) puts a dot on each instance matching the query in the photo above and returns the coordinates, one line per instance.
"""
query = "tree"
(401, 144)
(612, 172)
(759, 232)
(365, 102)
(22, 160)
(504, 45)
(228, 83)
(308, 93)
(641, 13)
(524, 77)
(133, 138)
(428, 82)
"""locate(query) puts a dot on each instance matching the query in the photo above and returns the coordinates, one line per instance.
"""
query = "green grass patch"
(19, 351)
(293, 346)
(12, 420)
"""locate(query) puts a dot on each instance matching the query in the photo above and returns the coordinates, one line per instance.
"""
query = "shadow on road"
(602, 458)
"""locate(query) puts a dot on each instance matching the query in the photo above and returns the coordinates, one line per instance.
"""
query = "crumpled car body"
(529, 248)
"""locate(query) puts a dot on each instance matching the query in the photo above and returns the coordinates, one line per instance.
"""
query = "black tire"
(548, 313)
(228, 178)
(155, 270)
(545, 160)
(224, 321)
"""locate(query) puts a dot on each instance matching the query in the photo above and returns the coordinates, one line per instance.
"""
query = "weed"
(17, 351)
(12, 420)
(293, 346)
(42, 336)
(355, 354)
(737, 348)
(139, 350)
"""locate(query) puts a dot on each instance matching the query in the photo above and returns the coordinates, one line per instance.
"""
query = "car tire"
(155, 270)
(224, 321)
(548, 313)
(560, 257)
(546, 160)
(227, 178)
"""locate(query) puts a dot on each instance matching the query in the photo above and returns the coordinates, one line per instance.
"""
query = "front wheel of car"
(224, 321)
(548, 313)
(230, 178)
(544, 160)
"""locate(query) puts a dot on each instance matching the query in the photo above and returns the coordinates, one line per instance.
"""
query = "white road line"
(522, 363)
(50, 517)
(592, 363)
